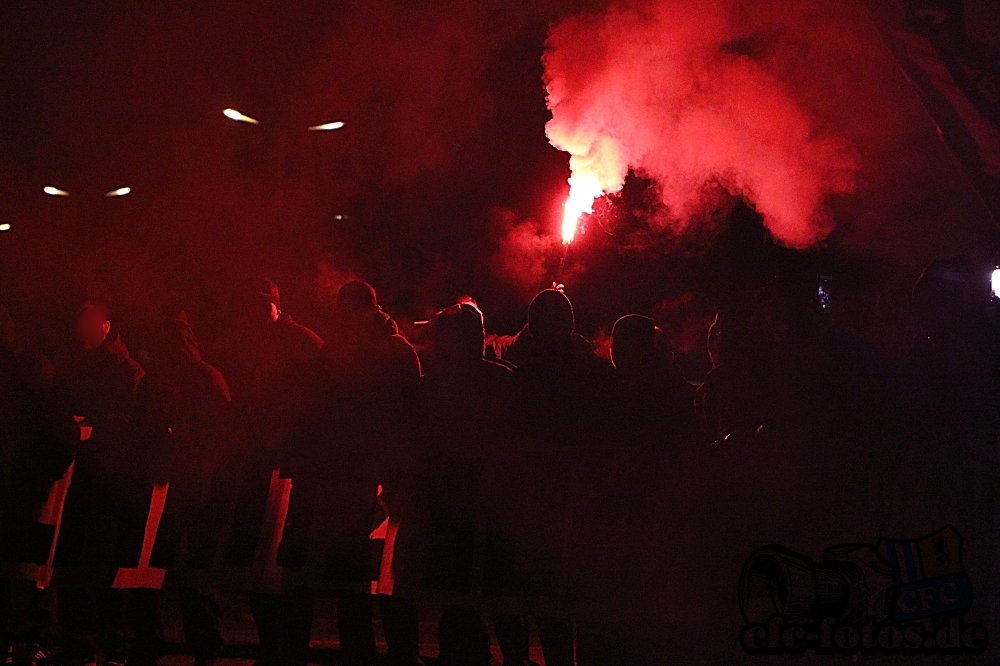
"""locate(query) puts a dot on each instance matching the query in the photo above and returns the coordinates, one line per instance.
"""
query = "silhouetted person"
(273, 355)
(357, 438)
(98, 382)
(629, 487)
(185, 402)
(748, 345)
(467, 399)
(561, 381)
(36, 448)
(653, 402)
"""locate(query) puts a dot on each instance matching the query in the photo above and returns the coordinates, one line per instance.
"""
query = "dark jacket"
(108, 498)
(467, 431)
(186, 401)
(558, 421)
(184, 405)
(36, 447)
(100, 385)
(356, 436)
(265, 379)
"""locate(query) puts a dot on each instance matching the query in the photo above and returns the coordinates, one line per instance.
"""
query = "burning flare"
(670, 90)
(583, 191)
(120, 192)
(55, 191)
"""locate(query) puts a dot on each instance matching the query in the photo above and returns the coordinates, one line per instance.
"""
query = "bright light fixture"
(233, 114)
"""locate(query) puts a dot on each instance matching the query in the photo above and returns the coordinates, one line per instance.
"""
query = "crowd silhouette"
(507, 481)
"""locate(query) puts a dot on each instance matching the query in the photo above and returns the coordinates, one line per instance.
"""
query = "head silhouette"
(263, 304)
(458, 334)
(175, 338)
(550, 316)
(356, 298)
(633, 343)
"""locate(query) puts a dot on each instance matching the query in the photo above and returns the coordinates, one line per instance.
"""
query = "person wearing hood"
(99, 378)
(357, 438)
(561, 382)
(642, 459)
(97, 383)
(549, 335)
(184, 404)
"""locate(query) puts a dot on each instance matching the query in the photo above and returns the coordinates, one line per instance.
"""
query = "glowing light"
(326, 126)
(233, 114)
(4, 227)
(120, 192)
(995, 283)
(55, 191)
(583, 191)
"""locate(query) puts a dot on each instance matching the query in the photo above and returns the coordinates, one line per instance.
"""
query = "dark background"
(441, 184)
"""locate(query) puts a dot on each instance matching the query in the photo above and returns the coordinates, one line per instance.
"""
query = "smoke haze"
(445, 112)
(690, 93)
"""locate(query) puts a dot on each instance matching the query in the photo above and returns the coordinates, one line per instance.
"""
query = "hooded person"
(561, 376)
(272, 355)
(98, 379)
(357, 438)
(98, 383)
(632, 486)
(183, 394)
(561, 383)
(550, 329)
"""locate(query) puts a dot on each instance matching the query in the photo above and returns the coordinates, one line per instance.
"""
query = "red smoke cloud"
(521, 258)
(690, 93)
